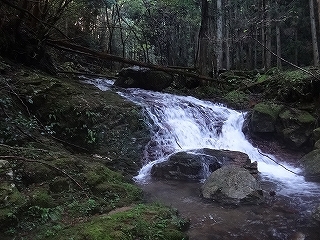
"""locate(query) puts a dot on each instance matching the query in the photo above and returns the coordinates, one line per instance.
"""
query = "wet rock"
(263, 119)
(316, 134)
(145, 78)
(317, 145)
(198, 164)
(316, 214)
(297, 236)
(311, 164)
(186, 166)
(226, 157)
(232, 185)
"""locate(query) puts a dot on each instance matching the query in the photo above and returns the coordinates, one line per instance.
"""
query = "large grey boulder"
(232, 185)
(198, 164)
(145, 78)
(311, 164)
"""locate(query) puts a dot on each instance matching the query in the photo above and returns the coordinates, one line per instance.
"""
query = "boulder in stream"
(145, 78)
(186, 166)
(232, 185)
(311, 164)
(198, 164)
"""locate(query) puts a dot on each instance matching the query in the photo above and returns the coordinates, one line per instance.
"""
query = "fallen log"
(67, 46)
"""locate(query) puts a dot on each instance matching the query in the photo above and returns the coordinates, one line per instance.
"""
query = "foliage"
(140, 222)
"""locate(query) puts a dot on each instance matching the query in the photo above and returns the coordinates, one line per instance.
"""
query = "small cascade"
(182, 123)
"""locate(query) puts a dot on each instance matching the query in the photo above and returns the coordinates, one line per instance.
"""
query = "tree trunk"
(263, 35)
(314, 35)
(219, 53)
(278, 37)
(203, 40)
(268, 35)
(278, 33)
(227, 19)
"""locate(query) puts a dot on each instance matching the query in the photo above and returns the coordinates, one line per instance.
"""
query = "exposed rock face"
(292, 126)
(145, 78)
(232, 185)
(198, 164)
(311, 163)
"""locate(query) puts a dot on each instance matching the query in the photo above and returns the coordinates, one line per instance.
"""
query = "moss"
(10, 196)
(141, 222)
(99, 174)
(268, 109)
(41, 197)
(311, 163)
(297, 115)
(262, 78)
(237, 98)
(306, 117)
(316, 134)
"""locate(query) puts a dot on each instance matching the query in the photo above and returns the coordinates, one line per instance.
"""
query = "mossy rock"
(59, 184)
(311, 164)
(317, 145)
(237, 98)
(316, 134)
(87, 119)
(10, 196)
(295, 127)
(99, 173)
(295, 138)
(295, 116)
(41, 197)
(264, 117)
(36, 173)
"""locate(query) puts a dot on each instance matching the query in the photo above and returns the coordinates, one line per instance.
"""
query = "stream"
(181, 123)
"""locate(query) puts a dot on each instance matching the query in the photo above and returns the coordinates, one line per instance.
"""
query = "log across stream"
(181, 123)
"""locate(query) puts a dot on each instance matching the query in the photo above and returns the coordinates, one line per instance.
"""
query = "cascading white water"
(181, 123)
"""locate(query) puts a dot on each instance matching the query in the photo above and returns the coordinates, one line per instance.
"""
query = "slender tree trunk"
(203, 39)
(227, 18)
(278, 37)
(121, 31)
(296, 62)
(268, 35)
(255, 61)
(314, 34)
(318, 2)
(219, 53)
(263, 35)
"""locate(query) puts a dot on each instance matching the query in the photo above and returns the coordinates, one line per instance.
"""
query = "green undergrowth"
(139, 222)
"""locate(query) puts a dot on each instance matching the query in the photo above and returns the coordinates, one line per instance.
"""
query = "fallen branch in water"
(279, 164)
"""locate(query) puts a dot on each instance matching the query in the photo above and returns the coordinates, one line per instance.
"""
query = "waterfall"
(182, 123)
